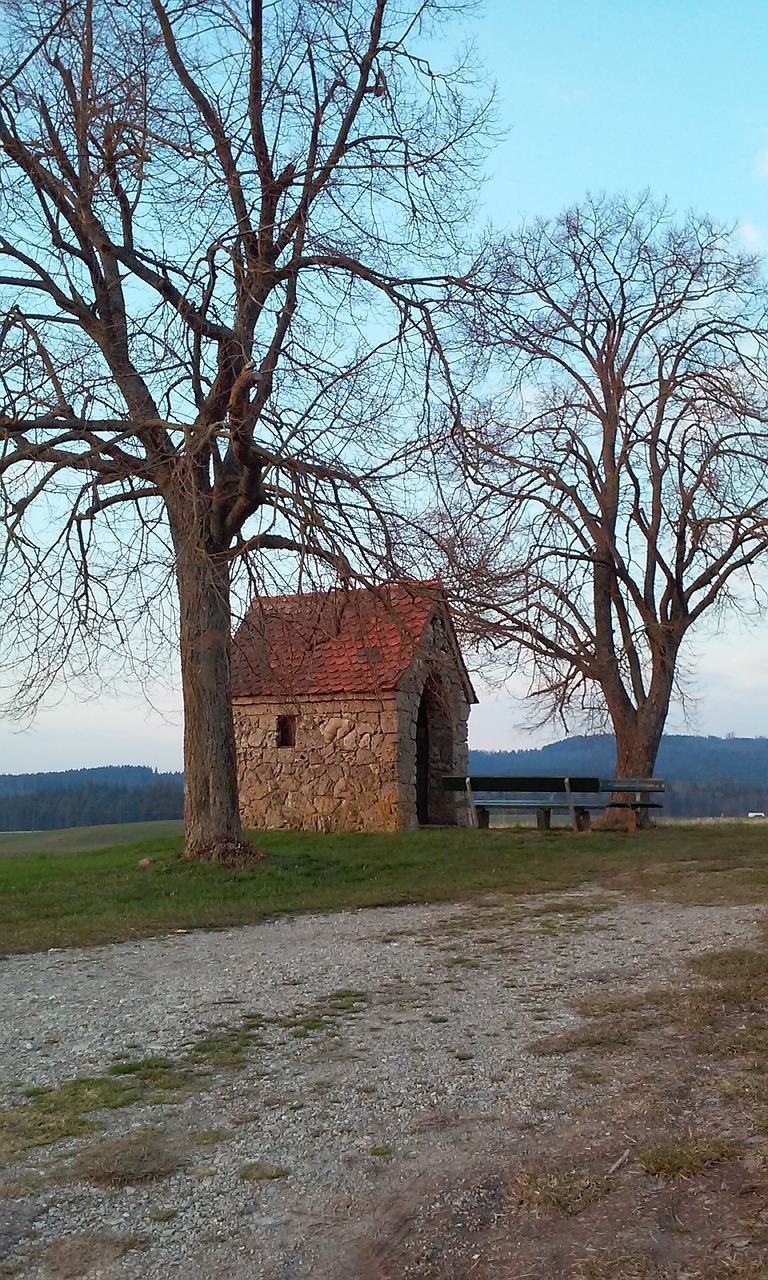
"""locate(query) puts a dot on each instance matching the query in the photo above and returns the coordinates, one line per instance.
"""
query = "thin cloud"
(753, 237)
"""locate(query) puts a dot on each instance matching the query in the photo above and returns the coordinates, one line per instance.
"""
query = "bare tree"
(612, 490)
(222, 227)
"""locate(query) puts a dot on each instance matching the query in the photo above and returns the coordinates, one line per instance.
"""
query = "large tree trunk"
(213, 831)
(638, 737)
(637, 746)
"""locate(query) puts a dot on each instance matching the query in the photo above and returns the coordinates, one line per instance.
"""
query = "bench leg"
(483, 818)
(583, 819)
(543, 819)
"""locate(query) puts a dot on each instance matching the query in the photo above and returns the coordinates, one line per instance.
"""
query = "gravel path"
(429, 1076)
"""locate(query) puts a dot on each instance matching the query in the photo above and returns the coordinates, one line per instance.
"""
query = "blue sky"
(665, 94)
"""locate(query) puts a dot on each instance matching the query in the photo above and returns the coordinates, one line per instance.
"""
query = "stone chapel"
(350, 706)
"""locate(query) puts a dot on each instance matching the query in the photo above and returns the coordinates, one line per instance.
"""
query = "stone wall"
(341, 775)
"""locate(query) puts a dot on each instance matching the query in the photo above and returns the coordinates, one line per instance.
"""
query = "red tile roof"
(342, 641)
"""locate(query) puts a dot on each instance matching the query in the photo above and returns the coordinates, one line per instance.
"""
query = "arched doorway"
(434, 756)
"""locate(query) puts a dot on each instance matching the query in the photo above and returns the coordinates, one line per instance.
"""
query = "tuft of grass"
(610, 1264)
(86, 894)
(226, 1048)
(603, 1037)
(144, 1155)
(143, 1067)
(163, 1215)
(26, 1185)
(563, 1191)
(750, 1041)
(381, 1152)
(86, 1253)
(209, 1137)
(735, 962)
(261, 1171)
(587, 1075)
(685, 1156)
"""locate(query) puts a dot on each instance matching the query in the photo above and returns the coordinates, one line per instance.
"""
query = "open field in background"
(80, 839)
(82, 896)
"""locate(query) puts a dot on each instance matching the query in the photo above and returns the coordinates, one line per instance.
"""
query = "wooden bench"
(564, 795)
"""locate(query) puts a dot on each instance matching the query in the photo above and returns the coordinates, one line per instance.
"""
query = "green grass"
(78, 839)
(84, 896)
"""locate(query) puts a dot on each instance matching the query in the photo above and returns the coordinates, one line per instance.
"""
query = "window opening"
(286, 731)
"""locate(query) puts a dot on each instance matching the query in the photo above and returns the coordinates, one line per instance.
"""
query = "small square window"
(286, 731)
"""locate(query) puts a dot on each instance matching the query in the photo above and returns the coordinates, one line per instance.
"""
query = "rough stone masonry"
(350, 706)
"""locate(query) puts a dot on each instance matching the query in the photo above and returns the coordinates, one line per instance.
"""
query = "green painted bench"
(563, 795)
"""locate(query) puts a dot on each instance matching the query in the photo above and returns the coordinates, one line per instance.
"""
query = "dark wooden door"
(422, 763)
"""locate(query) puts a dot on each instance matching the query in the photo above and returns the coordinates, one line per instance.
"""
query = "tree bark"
(212, 826)
(638, 737)
(637, 745)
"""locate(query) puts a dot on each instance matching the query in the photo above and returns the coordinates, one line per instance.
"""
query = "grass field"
(81, 839)
(60, 889)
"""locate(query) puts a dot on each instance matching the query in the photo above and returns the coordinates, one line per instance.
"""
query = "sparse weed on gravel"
(262, 1171)
(163, 1215)
(51, 1114)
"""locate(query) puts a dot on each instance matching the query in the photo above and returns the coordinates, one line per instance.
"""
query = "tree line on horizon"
(251, 340)
(128, 776)
(96, 804)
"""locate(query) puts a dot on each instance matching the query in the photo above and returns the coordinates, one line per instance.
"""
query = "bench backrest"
(496, 783)
(479, 782)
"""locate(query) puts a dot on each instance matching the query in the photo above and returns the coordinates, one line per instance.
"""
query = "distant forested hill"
(88, 797)
(706, 777)
(111, 775)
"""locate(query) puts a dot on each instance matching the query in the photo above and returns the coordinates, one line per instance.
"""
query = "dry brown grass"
(686, 1155)
(610, 1264)
(604, 1036)
(262, 1171)
(144, 1155)
(564, 1191)
(86, 1254)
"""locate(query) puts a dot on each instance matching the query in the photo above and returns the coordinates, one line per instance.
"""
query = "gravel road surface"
(360, 1106)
